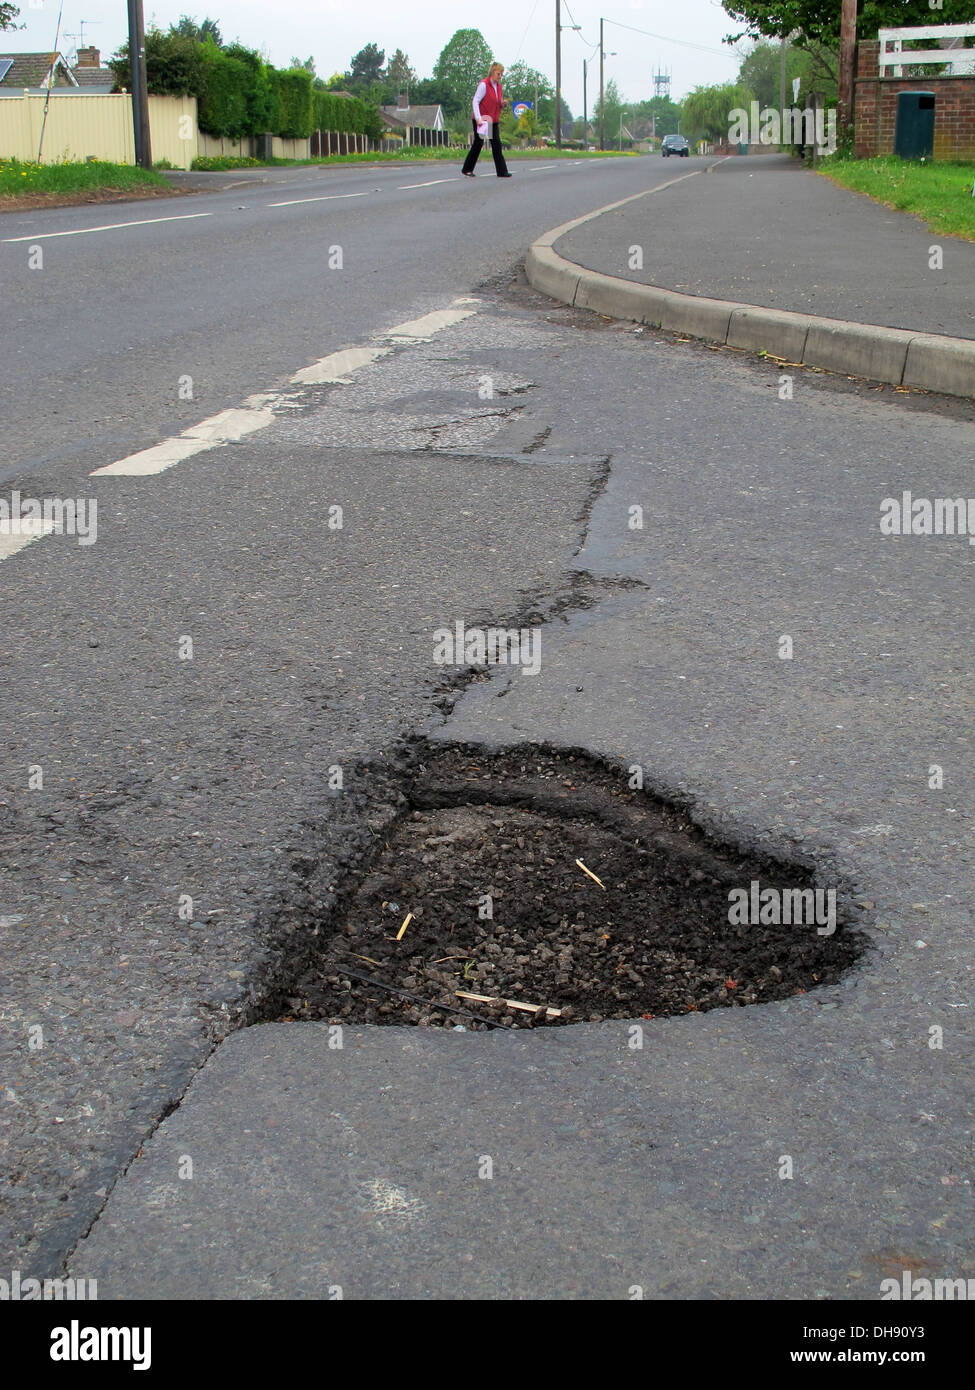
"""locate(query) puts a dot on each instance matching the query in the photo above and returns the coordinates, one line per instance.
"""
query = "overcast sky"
(332, 30)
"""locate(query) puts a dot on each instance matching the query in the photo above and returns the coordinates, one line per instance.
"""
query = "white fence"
(960, 60)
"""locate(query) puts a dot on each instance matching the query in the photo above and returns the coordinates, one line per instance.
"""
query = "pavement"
(160, 1144)
(765, 256)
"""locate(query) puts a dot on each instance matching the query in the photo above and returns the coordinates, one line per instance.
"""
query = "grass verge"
(18, 178)
(415, 154)
(939, 193)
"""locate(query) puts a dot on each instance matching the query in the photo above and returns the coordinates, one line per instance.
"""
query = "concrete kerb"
(927, 361)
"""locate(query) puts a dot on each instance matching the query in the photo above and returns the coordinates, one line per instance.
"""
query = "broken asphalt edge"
(924, 361)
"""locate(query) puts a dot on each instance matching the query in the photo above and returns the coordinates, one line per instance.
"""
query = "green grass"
(215, 163)
(939, 193)
(17, 177)
(413, 153)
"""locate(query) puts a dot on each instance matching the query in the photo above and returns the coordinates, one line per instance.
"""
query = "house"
(402, 115)
(89, 74)
(36, 72)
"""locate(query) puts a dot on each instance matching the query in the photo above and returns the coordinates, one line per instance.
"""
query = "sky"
(689, 41)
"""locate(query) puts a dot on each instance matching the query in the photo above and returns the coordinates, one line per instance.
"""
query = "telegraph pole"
(602, 93)
(558, 74)
(140, 94)
(848, 43)
(782, 56)
(585, 109)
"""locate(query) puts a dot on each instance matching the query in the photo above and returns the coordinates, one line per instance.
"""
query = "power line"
(527, 27)
(663, 38)
(577, 28)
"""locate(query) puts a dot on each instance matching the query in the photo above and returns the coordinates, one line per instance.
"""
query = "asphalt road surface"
(175, 696)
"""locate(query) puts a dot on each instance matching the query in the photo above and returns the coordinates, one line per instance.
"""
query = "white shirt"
(479, 96)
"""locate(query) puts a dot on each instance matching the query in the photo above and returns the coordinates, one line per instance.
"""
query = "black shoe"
(467, 175)
(504, 176)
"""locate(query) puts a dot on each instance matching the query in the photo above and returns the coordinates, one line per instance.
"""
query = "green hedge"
(293, 116)
(238, 94)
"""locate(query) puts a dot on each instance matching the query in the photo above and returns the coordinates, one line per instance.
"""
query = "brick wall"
(876, 108)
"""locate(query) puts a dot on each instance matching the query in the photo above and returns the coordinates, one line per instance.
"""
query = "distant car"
(675, 144)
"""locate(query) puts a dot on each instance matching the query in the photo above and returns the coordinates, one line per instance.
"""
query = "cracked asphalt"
(614, 1167)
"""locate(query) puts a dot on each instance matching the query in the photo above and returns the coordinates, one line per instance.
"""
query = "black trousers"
(472, 155)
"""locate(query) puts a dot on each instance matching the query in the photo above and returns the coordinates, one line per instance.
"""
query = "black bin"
(914, 131)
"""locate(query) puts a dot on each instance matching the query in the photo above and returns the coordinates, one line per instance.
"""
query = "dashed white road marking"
(421, 330)
(227, 427)
(337, 366)
(429, 183)
(324, 198)
(111, 226)
(15, 535)
(257, 411)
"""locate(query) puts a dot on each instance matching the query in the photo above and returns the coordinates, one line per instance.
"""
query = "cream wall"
(101, 126)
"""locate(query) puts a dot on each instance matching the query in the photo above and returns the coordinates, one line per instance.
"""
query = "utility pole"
(848, 44)
(558, 74)
(140, 94)
(602, 92)
(782, 53)
(585, 108)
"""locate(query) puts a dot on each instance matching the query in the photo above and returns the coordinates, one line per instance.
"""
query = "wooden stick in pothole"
(510, 1004)
(591, 875)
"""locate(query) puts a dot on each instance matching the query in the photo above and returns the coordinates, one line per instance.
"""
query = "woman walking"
(488, 101)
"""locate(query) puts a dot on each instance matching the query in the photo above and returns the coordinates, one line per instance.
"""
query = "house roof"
(31, 70)
(99, 79)
(411, 115)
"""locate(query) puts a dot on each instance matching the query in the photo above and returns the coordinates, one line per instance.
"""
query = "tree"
(818, 21)
(399, 76)
(816, 68)
(8, 13)
(306, 65)
(612, 109)
(187, 28)
(707, 110)
(367, 67)
(463, 62)
(520, 84)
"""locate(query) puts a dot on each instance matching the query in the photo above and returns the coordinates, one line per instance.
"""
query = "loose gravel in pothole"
(485, 874)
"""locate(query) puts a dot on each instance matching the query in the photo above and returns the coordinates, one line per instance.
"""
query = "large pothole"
(487, 887)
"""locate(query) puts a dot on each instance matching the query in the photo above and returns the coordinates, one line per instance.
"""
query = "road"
(234, 290)
(486, 461)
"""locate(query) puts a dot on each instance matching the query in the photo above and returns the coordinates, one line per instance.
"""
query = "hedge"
(238, 94)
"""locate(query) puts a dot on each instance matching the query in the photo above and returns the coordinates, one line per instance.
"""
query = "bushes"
(347, 114)
(293, 116)
(240, 95)
(208, 163)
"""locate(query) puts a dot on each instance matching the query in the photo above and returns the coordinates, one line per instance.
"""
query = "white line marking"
(325, 198)
(257, 411)
(337, 366)
(429, 183)
(111, 226)
(225, 428)
(422, 329)
(14, 535)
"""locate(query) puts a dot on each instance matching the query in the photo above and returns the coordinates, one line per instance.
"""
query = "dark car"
(675, 144)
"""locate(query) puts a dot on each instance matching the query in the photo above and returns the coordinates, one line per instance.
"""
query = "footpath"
(762, 255)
